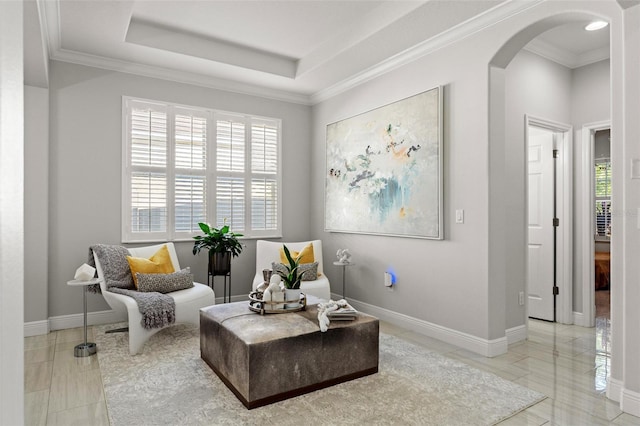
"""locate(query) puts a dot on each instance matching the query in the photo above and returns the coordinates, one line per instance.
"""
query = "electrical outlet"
(521, 298)
(388, 279)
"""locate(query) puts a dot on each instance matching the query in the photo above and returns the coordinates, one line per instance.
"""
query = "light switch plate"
(459, 216)
(635, 168)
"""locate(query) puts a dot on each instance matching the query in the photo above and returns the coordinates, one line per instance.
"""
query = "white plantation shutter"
(230, 168)
(190, 203)
(148, 202)
(230, 203)
(191, 142)
(264, 175)
(187, 165)
(146, 182)
(264, 204)
(148, 137)
(190, 188)
(230, 144)
(264, 147)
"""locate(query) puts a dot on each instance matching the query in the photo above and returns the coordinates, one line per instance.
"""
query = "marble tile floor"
(567, 363)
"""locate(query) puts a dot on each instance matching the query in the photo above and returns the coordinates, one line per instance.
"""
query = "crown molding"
(459, 32)
(564, 57)
(593, 56)
(50, 16)
(51, 23)
(552, 53)
(56, 52)
(44, 37)
(73, 57)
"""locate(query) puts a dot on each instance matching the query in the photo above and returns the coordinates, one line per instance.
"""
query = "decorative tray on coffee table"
(256, 304)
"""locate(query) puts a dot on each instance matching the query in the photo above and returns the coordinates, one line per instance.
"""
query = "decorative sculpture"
(343, 256)
(275, 292)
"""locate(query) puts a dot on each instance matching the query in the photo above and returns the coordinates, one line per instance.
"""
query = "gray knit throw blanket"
(158, 310)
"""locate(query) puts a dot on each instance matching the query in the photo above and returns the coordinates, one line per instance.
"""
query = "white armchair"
(269, 251)
(188, 302)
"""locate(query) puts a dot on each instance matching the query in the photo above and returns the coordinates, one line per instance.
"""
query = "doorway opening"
(602, 234)
(596, 222)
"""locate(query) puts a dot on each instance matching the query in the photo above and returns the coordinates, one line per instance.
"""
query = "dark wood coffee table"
(269, 358)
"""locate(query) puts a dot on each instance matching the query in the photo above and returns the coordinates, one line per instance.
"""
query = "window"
(603, 197)
(185, 165)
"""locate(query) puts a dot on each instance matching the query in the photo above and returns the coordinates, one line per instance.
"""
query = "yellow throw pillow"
(159, 263)
(305, 255)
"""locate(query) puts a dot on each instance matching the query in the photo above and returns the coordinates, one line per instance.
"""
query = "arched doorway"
(502, 170)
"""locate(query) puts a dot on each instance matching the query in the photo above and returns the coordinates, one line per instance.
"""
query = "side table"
(344, 270)
(86, 348)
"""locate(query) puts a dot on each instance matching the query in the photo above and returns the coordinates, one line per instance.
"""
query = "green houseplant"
(221, 244)
(292, 278)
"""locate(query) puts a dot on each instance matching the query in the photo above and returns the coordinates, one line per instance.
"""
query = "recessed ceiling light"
(596, 25)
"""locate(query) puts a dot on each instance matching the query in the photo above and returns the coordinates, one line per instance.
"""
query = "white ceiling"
(572, 46)
(298, 50)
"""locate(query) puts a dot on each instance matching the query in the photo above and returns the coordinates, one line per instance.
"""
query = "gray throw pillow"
(165, 283)
(279, 268)
(309, 271)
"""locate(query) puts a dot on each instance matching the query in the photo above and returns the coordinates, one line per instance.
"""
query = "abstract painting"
(384, 170)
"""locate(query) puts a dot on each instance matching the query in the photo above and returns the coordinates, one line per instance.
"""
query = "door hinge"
(556, 221)
(555, 153)
(556, 290)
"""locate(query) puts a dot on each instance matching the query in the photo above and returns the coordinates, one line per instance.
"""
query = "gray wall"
(36, 202)
(542, 88)
(590, 103)
(445, 282)
(442, 282)
(590, 94)
(85, 170)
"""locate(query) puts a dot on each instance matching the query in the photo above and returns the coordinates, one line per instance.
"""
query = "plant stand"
(211, 282)
(220, 266)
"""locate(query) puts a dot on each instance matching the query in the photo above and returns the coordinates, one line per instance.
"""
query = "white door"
(540, 228)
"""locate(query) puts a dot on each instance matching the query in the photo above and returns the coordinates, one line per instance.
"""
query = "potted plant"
(291, 278)
(221, 243)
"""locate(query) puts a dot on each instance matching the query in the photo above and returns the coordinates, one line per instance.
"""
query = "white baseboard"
(36, 328)
(578, 319)
(516, 334)
(77, 320)
(63, 322)
(484, 347)
(237, 298)
(614, 389)
(630, 402)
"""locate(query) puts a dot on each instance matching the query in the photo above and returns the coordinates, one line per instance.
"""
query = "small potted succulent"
(221, 244)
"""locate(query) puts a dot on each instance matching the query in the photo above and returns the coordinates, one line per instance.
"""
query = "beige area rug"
(168, 384)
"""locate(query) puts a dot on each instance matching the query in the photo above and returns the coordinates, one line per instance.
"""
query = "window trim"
(211, 172)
